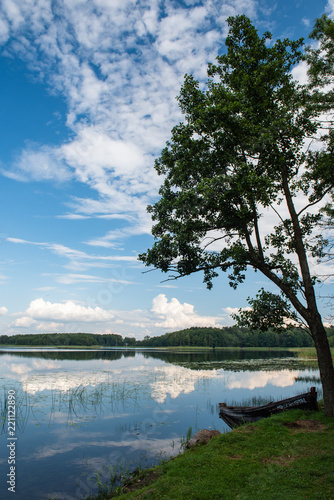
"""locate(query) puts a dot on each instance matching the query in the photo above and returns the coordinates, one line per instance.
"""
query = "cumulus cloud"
(173, 314)
(3, 311)
(229, 311)
(50, 326)
(24, 322)
(235, 310)
(299, 72)
(39, 309)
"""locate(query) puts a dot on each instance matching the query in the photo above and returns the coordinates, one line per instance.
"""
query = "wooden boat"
(238, 415)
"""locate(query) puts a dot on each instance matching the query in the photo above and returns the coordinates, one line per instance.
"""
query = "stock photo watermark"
(11, 441)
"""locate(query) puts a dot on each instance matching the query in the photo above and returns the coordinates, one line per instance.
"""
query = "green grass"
(290, 455)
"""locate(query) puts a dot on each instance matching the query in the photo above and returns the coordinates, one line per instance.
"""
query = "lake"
(80, 414)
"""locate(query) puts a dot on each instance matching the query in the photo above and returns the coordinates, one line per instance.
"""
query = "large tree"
(321, 82)
(242, 156)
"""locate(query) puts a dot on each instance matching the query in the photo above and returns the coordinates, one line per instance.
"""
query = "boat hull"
(238, 415)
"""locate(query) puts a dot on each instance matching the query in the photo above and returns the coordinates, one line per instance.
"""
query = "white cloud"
(235, 310)
(24, 322)
(173, 314)
(306, 22)
(299, 73)
(79, 260)
(3, 311)
(66, 311)
(119, 66)
(51, 326)
(45, 288)
(93, 153)
(330, 8)
(4, 30)
(39, 163)
(69, 279)
(71, 216)
(111, 238)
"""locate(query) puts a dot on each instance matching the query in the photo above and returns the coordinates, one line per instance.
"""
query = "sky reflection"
(76, 417)
(163, 379)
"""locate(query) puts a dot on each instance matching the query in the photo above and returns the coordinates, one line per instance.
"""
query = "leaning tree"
(243, 156)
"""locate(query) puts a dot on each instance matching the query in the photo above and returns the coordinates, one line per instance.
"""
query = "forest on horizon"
(228, 336)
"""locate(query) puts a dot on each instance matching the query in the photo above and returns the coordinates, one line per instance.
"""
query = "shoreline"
(289, 454)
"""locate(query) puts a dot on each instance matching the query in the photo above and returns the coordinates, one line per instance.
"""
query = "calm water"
(79, 412)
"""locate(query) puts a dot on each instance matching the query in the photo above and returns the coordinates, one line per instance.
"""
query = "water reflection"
(168, 356)
(69, 354)
(216, 355)
(79, 411)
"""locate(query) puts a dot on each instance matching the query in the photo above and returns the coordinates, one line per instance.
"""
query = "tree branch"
(258, 237)
(316, 201)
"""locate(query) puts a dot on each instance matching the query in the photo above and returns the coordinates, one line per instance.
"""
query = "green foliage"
(267, 311)
(230, 336)
(321, 59)
(321, 73)
(239, 154)
(63, 339)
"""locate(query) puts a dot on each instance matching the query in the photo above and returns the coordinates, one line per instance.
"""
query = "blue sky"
(87, 94)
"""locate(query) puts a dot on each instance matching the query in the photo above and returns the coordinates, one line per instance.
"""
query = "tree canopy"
(243, 158)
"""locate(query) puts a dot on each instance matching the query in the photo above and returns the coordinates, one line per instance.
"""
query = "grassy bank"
(290, 455)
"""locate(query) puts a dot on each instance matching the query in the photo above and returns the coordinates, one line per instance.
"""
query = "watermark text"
(11, 440)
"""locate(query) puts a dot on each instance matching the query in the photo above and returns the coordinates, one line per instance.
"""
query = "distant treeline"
(234, 336)
(66, 339)
(229, 336)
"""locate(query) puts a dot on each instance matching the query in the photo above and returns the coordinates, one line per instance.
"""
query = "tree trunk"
(325, 362)
(312, 315)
